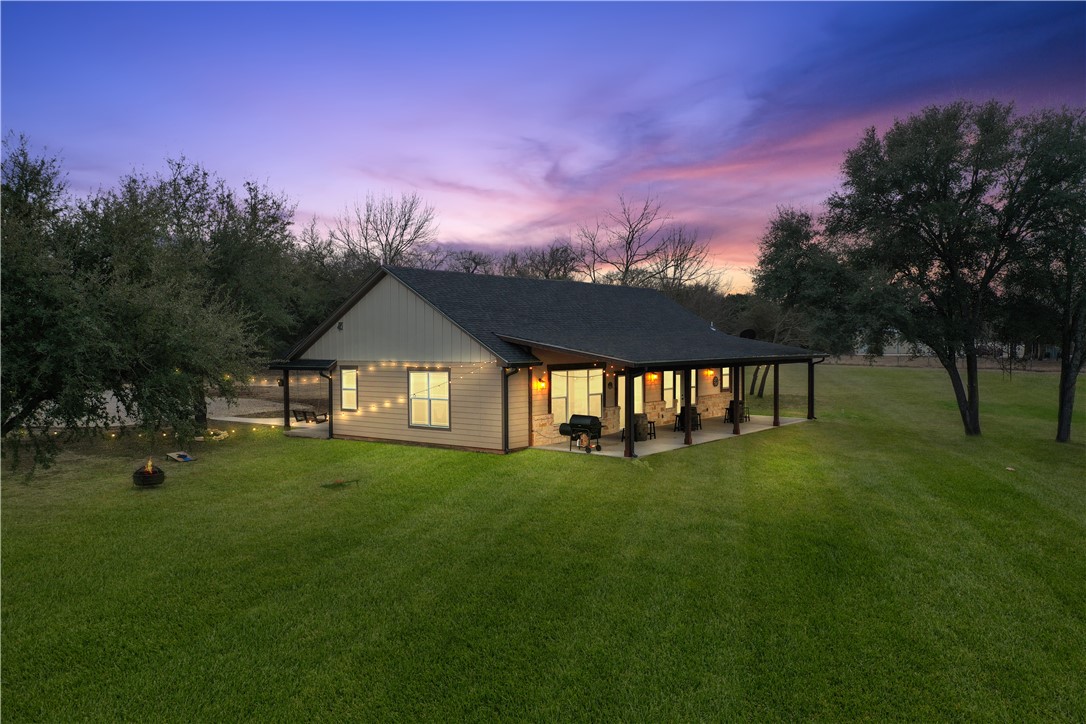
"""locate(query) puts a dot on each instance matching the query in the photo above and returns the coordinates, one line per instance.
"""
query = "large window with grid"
(576, 392)
(429, 398)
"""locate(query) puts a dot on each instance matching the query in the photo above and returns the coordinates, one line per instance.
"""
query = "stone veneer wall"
(545, 429)
(714, 405)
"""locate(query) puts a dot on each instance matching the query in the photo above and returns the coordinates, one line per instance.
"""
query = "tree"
(97, 302)
(933, 215)
(802, 273)
(1051, 277)
(389, 231)
(557, 260)
(620, 248)
(682, 260)
(470, 261)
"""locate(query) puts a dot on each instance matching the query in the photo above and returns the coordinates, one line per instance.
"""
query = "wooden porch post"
(286, 399)
(688, 422)
(776, 394)
(737, 397)
(628, 414)
(810, 389)
(330, 402)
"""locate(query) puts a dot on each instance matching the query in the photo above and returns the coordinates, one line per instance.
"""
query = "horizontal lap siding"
(519, 422)
(474, 403)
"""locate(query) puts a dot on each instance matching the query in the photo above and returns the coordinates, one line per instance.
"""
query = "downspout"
(329, 378)
(506, 374)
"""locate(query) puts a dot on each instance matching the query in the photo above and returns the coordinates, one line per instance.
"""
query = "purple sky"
(517, 121)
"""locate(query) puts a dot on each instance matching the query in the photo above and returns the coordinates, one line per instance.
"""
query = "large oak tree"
(939, 209)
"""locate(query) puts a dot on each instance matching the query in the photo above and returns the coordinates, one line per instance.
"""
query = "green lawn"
(874, 564)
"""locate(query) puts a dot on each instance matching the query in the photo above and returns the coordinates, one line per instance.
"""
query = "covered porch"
(300, 422)
(620, 395)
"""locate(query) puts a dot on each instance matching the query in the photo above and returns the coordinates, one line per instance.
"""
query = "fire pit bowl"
(148, 475)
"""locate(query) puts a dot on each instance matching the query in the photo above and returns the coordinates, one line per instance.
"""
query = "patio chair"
(695, 421)
(730, 414)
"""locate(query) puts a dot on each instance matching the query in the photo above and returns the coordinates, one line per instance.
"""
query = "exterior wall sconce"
(541, 383)
(339, 326)
(279, 381)
(652, 376)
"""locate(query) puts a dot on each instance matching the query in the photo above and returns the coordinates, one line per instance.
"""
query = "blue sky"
(517, 121)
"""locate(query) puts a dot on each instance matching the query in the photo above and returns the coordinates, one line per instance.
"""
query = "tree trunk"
(26, 411)
(765, 376)
(1072, 359)
(974, 394)
(754, 379)
(965, 394)
(201, 409)
(1068, 381)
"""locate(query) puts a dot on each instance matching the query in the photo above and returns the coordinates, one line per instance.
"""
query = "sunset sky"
(517, 121)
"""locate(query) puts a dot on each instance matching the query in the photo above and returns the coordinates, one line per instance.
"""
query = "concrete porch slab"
(713, 429)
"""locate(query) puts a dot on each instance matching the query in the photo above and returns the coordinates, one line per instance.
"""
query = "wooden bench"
(310, 416)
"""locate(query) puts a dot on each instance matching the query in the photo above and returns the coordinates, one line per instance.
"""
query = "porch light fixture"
(653, 376)
(541, 383)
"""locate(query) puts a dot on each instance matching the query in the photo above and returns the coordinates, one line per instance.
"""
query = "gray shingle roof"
(628, 325)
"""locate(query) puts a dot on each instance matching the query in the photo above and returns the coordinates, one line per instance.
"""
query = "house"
(497, 363)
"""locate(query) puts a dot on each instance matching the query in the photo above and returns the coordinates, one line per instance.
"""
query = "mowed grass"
(874, 564)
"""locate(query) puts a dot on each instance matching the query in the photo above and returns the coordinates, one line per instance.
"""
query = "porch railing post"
(688, 422)
(737, 397)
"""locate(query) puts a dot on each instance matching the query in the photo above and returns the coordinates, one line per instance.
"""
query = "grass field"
(874, 564)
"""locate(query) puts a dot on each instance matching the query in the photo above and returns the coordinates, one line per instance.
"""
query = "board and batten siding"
(393, 324)
(475, 413)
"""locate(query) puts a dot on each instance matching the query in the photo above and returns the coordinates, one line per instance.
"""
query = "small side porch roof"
(304, 365)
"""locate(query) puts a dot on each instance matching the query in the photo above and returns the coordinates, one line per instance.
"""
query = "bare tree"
(622, 247)
(389, 231)
(470, 261)
(682, 259)
(556, 261)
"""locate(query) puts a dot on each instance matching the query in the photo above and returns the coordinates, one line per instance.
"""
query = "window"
(669, 388)
(639, 393)
(429, 403)
(726, 378)
(348, 388)
(576, 392)
(692, 395)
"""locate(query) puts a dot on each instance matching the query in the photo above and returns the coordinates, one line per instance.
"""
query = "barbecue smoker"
(584, 429)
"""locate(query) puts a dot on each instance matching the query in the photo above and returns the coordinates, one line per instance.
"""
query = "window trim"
(429, 411)
(551, 369)
(344, 408)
